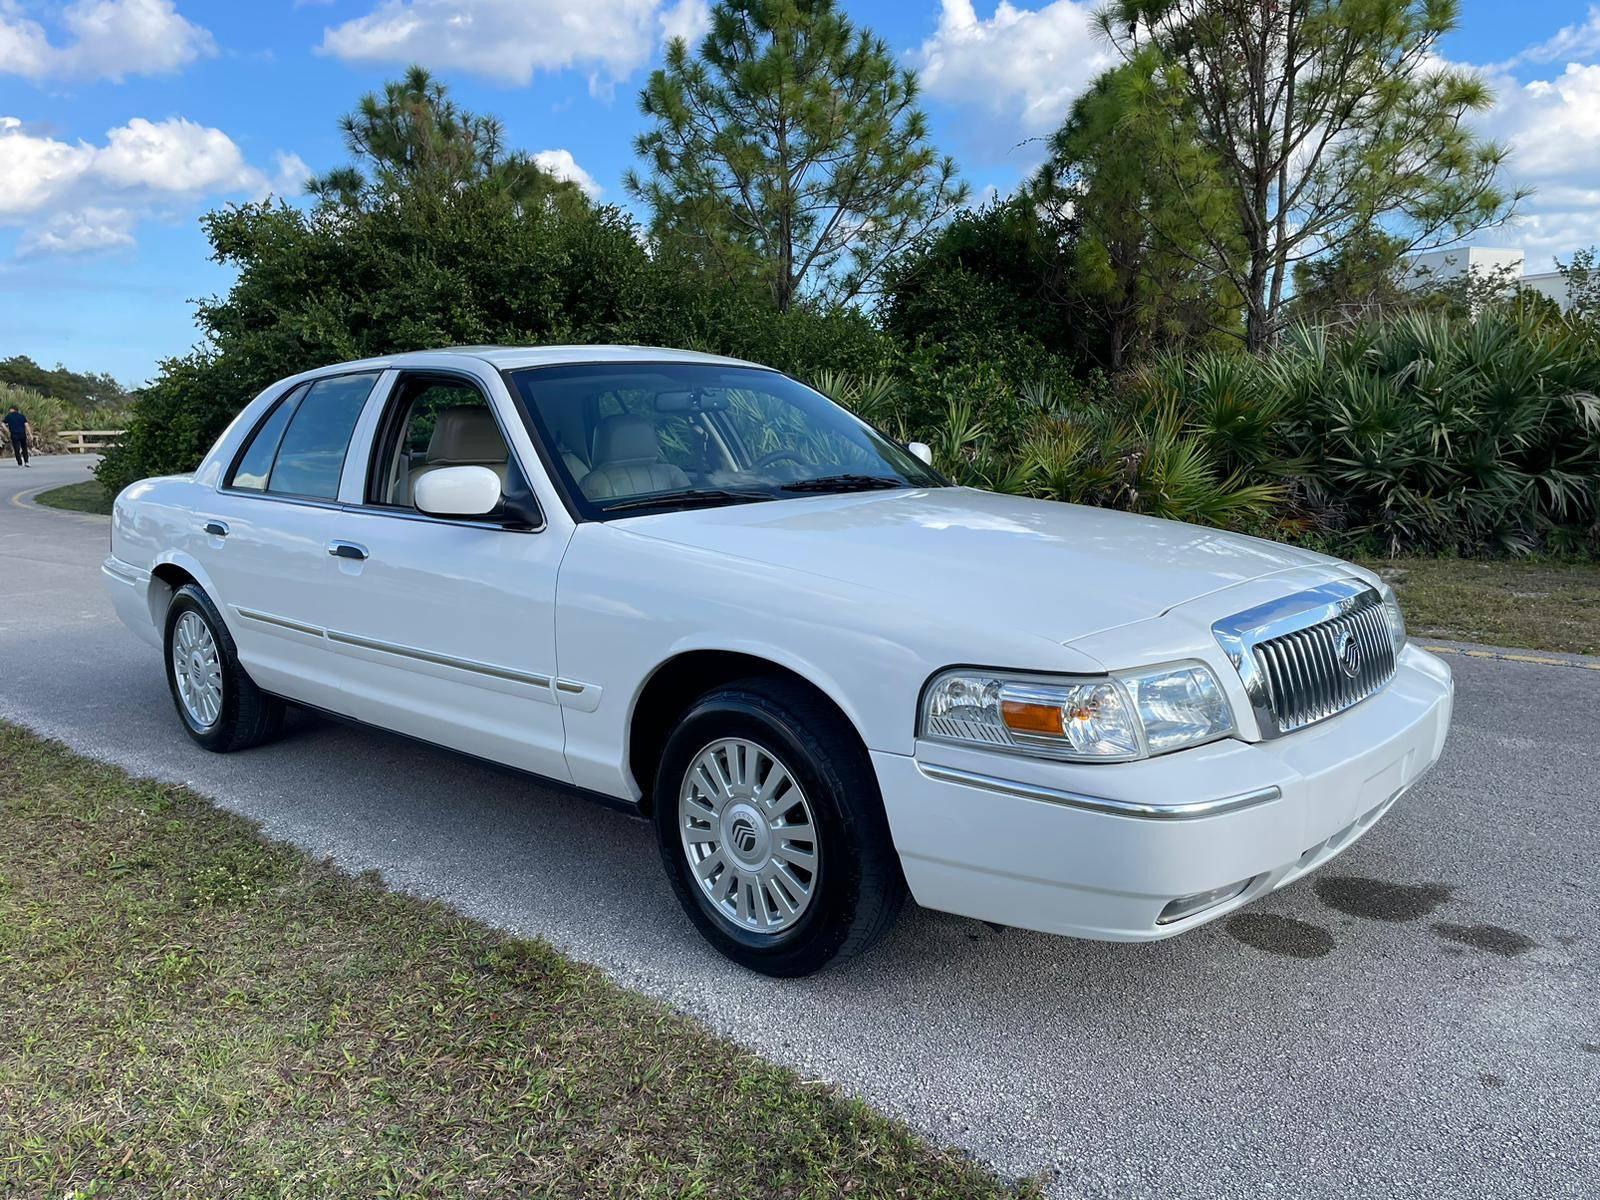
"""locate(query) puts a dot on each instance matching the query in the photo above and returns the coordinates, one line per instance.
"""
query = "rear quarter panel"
(154, 523)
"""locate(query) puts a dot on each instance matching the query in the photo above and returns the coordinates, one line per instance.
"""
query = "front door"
(445, 629)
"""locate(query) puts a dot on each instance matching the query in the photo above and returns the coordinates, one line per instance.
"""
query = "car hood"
(1062, 571)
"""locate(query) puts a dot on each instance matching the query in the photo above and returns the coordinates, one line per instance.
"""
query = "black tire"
(858, 887)
(248, 715)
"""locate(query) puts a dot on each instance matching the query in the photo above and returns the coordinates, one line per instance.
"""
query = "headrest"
(466, 434)
(626, 439)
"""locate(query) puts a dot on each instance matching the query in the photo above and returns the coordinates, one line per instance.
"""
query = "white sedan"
(695, 587)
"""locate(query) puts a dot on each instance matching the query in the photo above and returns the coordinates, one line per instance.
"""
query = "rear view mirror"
(457, 492)
(699, 400)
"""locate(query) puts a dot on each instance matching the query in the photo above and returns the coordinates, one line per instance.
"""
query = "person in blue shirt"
(17, 427)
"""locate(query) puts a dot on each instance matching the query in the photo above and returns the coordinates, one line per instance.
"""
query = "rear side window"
(255, 464)
(310, 455)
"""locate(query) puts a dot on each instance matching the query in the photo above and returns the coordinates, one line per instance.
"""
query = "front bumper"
(1099, 850)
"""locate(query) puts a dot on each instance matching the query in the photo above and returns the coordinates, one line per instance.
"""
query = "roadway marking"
(1537, 660)
(24, 500)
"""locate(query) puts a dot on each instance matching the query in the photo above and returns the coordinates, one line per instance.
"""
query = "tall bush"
(420, 270)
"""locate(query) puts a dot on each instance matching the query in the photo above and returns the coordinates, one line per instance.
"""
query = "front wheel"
(772, 830)
(220, 706)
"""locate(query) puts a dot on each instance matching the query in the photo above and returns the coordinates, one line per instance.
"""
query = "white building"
(1486, 262)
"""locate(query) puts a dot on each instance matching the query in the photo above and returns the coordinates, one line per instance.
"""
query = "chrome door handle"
(216, 528)
(347, 550)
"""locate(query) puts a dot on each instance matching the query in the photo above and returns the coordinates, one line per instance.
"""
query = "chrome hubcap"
(749, 837)
(197, 668)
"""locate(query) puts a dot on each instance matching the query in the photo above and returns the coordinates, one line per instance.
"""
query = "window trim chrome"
(1239, 634)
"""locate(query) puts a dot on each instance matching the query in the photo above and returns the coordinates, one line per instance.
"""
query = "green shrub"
(425, 270)
(1424, 433)
(1431, 434)
(1131, 447)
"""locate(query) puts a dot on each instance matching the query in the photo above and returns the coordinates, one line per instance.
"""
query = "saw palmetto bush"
(1423, 434)
(1133, 448)
(1431, 434)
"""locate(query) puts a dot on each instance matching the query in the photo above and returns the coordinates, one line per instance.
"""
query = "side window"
(433, 422)
(311, 456)
(255, 464)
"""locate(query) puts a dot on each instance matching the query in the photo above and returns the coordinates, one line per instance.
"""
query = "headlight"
(1108, 718)
(1395, 618)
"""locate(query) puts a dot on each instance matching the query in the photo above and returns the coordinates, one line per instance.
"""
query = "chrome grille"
(1306, 679)
(1308, 656)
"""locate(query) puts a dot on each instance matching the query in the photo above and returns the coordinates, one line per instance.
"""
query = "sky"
(121, 121)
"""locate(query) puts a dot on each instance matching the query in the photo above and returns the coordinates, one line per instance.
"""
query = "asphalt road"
(1423, 1018)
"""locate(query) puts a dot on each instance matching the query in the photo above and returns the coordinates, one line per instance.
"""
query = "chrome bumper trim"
(123, 572)
(1192, 810)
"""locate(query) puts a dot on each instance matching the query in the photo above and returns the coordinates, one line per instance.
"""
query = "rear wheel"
(220, 706)
(772, 829)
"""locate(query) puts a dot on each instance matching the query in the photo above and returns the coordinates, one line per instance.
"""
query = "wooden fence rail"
(82, 441)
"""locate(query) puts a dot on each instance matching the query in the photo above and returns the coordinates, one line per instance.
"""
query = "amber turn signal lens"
(1023, 717)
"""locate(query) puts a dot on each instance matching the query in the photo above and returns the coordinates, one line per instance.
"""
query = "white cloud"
(562, 165)
(1572, 41)
(173, 156)
(504, 40)
(38, 169)
(105, 39)
(1553, 125)
(687, 19)
(1552, 129)
(1025, 64)
(75, 196)
(291, 175)
(80, 232)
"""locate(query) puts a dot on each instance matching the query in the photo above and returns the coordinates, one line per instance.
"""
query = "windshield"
(629, 438)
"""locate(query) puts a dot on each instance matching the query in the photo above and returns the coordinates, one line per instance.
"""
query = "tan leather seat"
(464, 436)
(628, 461)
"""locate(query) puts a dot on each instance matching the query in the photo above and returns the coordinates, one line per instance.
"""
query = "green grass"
(89, 497)
(1536, 605)
(187, 1009)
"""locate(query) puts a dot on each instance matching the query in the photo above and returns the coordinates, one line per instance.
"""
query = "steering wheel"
(777, 456)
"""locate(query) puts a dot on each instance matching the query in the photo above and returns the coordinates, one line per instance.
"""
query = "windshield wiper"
(845, 483)
(685, 496)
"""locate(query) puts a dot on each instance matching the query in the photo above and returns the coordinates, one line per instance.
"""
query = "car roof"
(512, 357)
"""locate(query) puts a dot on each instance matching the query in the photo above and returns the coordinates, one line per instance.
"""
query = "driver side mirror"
(921, 452)
(457, 492)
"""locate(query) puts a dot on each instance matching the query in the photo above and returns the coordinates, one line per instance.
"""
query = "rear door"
(269, 528)
(445, 628)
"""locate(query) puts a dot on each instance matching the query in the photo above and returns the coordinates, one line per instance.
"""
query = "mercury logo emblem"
(1348, 652)
(744, 836)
